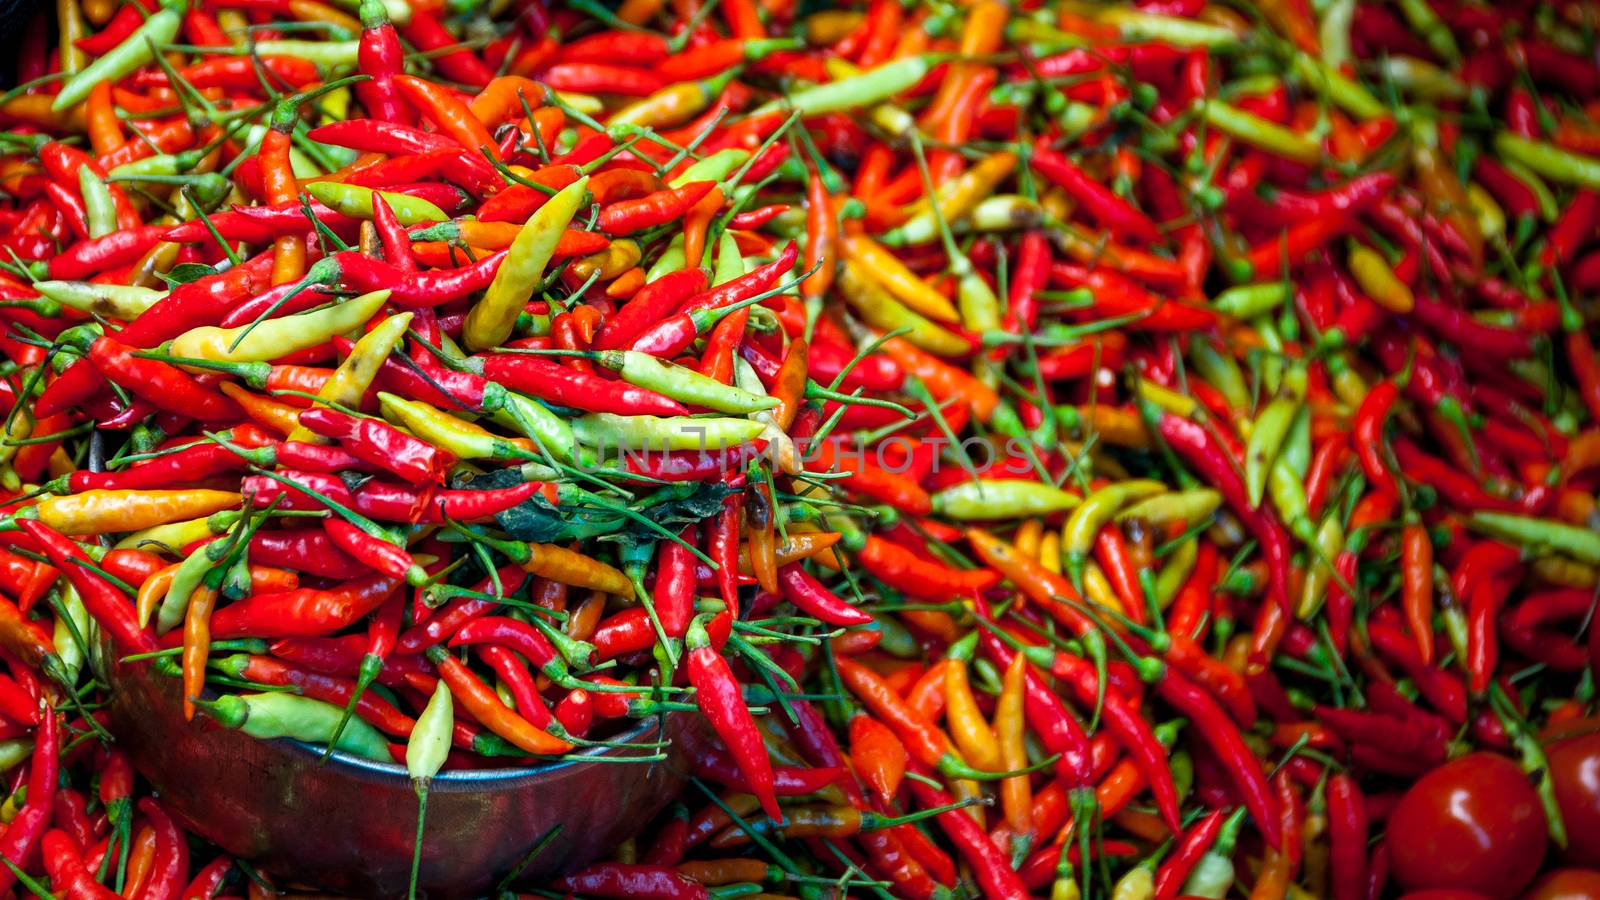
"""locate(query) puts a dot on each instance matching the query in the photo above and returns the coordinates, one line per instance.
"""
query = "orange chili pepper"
(1416, 592)
(196, 645)
(451, 116)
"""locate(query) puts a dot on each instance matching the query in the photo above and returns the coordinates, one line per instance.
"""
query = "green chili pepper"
(1549, 160)
(715, 167)
(1246, 301)
(490, 322)
(1222, 372)
(533, 419)
(1078, 534)
(1172, 576)
(681, 383)
(123, 59)
(671, 260)
(1002, 499)
(72, 620)
(1190, 506)
(111, 301)
(13, 752)
(1333, 33)
(426, 752)
(355, 201)
(99, 212)
(658, 433)
(331, 55)
(278, 715)
(1261, 133)
(730, 263)
(175, 605)
(865, 89)
(1266, 439)
(1434, 31)
(1345, 92)
(1581, 544)
(1136, 25)
(1329, 541)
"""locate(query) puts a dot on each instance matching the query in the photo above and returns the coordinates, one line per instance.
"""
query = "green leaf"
(183, 273)
(537, 519)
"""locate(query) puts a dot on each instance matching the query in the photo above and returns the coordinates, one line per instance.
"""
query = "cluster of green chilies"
(1084, 450)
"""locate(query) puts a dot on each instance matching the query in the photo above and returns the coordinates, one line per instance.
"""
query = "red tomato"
(1444, 894)
(1575, 769)
(1566, 884)
(1473, 824)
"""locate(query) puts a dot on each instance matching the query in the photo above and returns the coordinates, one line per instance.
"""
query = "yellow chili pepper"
(492, 318)
(1330, 541)
(349, 382)
(621, 256)
(877, 307)
(972, 734)
(172, 534)
(1190, 506)
(101, 511)
(956, 198)
(1098, 589)
(462, 438)
(1002, 499)
(71, 28)
(667, 107)
(1166, 398)
(1016, 792)
(1373, 274)
(902, 283)
(355, 201)
(275, 338)
(1078, 534)
(1172, 576)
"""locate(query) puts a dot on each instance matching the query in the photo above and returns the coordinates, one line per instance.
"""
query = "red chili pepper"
(1222, 736)
(811, 597)
(720, 700)
(603, 78)
(413, 289)
(456, 613)
(990, 867)
(569, 387)
(1196, 446)
(428, 34)
(629, 216)
(25, 831)
(302, 612)
(1347, 833)
(654, 302)
(673, 594)
(1194, 845)
(1105, 207)
(1585, 363)
(381, 444)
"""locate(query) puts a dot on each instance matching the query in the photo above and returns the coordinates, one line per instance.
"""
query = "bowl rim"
(446, 778)
(474, 777)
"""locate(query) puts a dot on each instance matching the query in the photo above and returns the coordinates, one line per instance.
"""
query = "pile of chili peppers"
(1084, 450)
